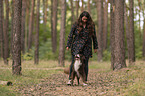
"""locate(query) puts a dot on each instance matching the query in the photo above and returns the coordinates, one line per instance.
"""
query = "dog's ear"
(82, 56)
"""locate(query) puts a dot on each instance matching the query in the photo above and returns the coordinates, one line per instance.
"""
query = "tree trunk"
(143, 53)
(51, 22)
(31, 22)
(12, 16)
(1, 29)
(16, 65)
(112, 31)
(23, 26)
(119, 49)
(45, 4)
(54, 26)
(6, 29)
(144, 40)
(131, 50)
(127, 29)
(100, 29)
(77, 8)
(139, 12)
(44, 19)
(89, 9)
(62, 34)
(46, 12)
(105, 27)
(37, 34)
(82, 7)
(72, 12)
(27, 23)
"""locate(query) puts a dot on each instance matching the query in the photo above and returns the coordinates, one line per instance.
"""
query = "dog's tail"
(66, 70)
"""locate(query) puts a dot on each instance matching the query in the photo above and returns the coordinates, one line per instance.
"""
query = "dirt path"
(98, 84)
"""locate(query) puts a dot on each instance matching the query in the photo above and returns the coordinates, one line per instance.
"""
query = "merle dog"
(78, 69)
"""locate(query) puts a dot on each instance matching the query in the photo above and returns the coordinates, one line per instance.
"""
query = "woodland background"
(45, 25)
(33, 36)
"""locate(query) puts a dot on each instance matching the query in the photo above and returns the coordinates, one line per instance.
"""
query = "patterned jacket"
(81, 43)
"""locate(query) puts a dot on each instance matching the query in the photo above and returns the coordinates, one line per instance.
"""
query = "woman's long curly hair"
(89, 23)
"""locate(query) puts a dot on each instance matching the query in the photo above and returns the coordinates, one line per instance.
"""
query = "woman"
(80, 40)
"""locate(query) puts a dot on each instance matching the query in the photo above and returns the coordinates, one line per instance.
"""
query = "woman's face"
(84, 19)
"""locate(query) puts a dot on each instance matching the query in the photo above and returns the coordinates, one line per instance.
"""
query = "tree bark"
(112, 31)
(82, 7)
(36, 59)
(44, 18)
(31, 22)
(89, 9)
(16, 65)
(1, 29)
(23, 26)
(100, 30)
(144, 34)
(139, 12)
(131, 50)
(77, 8)
(12, 18)
(127, 29)
(51, 22)
(45, 5)
(105, 27)
(144, 40)
(27, 23)
(6, 29)
(62, 34)
(54, 26)
(72, 12)
(119, 49)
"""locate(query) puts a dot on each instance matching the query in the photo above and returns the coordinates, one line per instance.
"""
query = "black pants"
(86, 67)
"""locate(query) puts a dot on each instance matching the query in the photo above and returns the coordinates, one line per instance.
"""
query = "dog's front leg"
(78, 78)
(73, 77)
(84, 76)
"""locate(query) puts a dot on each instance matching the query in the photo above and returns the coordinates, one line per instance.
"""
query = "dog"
(66, 70)
(78, 69)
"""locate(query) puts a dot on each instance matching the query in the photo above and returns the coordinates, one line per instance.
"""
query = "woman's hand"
(95, 50)
(67, 48)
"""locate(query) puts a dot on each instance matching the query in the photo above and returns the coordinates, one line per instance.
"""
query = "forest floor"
(98, 84)
(101, 82)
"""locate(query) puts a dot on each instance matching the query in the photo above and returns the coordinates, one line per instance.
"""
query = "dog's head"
(79, 57)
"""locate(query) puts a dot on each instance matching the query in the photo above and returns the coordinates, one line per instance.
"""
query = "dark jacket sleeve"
(95, 42)
(70, 36)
